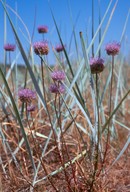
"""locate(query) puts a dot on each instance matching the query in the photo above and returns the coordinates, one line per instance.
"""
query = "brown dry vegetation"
(116, 179)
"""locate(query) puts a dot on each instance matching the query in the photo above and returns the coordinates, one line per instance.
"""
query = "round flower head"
(42, 29)
(9, 47)
(113, 48)
(26, 95)
(31, 108)
(58, 75)
(57, 89)
(59, 48)
(41, 48)
(96, 65)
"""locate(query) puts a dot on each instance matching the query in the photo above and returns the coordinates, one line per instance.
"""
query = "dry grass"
(117, 179)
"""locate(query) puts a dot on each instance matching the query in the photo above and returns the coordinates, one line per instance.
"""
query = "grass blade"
(114, 111)
(19, 120)
(26, 60)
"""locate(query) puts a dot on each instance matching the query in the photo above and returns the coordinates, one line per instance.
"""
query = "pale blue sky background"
(28, 9)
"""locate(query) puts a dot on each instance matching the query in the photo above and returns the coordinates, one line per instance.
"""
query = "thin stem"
(36, 150)
(110, 109)
(29, 128)
(92, 26)
(63, 142)
(44, 92)
(99, 25)
(25, 82)
(98, 119)
(98, 136)
(44, 167)
(11, 71)
(5, 37)
(42, 78)
(55, 106)
(111, 87)
(5, 64)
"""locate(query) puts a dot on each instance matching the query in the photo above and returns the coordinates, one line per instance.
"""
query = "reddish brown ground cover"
(115, 179)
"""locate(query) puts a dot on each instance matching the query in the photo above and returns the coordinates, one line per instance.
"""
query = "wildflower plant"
(70, 128)
(58, 75)
(59, 48)
(31, 108)
(96, 65)
(41, 48)
(42, 29)
(113, 48)
(26, 95)
(57, 89)
(9, 47)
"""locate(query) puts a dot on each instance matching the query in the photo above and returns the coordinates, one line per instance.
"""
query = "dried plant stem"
(63, 141)
(28, 121)
(64, 144)
(55, 104)
(1, 188)
(35, 144)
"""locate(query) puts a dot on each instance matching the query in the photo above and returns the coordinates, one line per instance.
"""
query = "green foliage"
(80, 111)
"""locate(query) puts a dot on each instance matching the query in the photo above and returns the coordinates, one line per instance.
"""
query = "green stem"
(111, 86)
(5, 64)
(11, 72)
(55, 106)
(98, 120)
(98, 137)
(110, 109)
(100, 28)
(92, 26)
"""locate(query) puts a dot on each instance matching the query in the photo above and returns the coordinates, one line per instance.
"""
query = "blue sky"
(29, 10)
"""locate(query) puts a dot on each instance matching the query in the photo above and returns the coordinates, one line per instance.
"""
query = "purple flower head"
(41, 48)
(58, 75)
(96, 65)
(31, 108)
(9, 47)
(42, 29)
(57, 89)
(26, 95)
(113, 48)
(59, 48)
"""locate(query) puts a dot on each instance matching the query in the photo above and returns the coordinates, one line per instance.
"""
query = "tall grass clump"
(69, 128)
